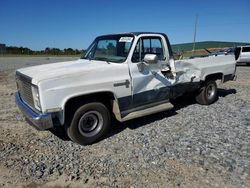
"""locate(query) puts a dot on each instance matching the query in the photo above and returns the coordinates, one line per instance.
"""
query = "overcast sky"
(38, 24)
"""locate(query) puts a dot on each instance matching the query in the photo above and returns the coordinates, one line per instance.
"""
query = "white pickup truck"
(242, 54)
(122, 75)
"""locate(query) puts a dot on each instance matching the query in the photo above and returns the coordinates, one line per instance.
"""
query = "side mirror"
(150, 59)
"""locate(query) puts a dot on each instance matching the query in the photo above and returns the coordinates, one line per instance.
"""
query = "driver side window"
(148, 45)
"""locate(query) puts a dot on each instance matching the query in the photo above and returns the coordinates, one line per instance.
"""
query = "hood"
(63, 69)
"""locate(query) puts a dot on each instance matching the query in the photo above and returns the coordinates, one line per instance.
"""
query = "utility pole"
(195, 30)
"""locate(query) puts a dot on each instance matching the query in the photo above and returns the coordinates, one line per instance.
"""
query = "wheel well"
(216, 76)
(75, 102)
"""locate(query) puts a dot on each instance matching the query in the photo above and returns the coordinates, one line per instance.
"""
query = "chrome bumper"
(39, 121)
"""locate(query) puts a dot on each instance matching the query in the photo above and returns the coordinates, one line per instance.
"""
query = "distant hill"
(206, 44)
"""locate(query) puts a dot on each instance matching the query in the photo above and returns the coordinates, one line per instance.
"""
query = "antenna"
(195, 30)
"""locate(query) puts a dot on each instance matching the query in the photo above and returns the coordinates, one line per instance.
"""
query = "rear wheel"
(89, 123)
(207, 93)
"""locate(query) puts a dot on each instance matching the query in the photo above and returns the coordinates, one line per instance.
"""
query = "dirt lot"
(189, 146)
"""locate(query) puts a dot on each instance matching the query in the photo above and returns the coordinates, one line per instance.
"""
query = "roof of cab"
(139, 33)
(132, 33)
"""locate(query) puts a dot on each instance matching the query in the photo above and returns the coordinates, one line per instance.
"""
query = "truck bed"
(196, 70)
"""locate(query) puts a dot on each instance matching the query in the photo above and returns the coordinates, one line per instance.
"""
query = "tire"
(207, 93)
(89, 123)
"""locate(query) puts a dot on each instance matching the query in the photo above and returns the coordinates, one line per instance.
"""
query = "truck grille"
(24, 88)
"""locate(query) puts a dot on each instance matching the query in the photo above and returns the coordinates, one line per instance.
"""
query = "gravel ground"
(189, 146)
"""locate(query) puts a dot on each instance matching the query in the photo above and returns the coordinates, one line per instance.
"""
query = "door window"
(148, 45)
(246, 49)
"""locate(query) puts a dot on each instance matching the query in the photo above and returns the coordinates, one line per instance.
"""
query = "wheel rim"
(210, 91)
(90, 123)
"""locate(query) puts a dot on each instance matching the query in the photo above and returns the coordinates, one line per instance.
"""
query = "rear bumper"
(243, 63)
(39, 121)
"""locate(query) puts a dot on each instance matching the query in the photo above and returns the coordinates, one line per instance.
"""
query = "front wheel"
(207, 93)
(89, 123)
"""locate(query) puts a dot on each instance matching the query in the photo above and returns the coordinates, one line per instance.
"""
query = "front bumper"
(39, 121)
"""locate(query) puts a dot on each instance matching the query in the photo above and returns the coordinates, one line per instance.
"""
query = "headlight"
(36, 98)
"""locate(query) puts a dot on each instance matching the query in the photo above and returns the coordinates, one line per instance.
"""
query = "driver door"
(149, 85)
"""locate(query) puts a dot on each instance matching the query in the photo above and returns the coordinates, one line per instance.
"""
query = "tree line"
(47, 51)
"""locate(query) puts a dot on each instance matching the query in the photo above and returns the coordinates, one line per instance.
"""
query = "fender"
(114, 103)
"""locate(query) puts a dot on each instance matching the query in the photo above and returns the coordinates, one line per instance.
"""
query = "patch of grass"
(206, 44)
(40, 55)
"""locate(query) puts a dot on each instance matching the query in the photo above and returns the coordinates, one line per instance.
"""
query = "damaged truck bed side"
(126, 75)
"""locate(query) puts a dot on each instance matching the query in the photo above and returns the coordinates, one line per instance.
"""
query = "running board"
(147, 111)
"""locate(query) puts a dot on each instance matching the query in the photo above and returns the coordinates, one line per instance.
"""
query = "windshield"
(110, 48)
